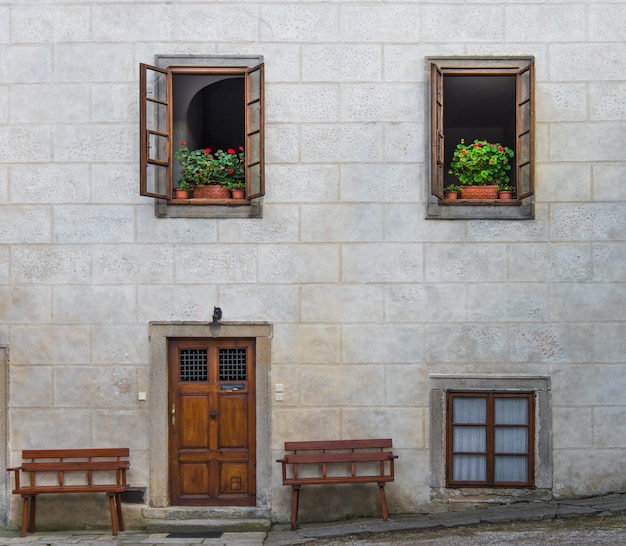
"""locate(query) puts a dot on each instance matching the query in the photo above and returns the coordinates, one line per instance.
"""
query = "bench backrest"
(376, 443)
(60, 461)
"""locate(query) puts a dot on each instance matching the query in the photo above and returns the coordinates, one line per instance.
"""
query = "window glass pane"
(157, 147)
(156, 179)
(469, 468)
(524, 178)
(511, 469)
(470, 410)
(525, 85)
(469, 439)
(511, 440)
(254, 117)
(524, 149)
(254, 175)
(525, 117)
(511, 411)
(156, 116)
(254, 89)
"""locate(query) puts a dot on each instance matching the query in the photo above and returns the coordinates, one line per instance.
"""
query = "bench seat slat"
(335, 480)
(42, 489)
(378, 443)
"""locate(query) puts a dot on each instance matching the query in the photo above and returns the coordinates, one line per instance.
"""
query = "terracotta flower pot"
(479, 192)
(238, 194)
(506, 195)
(451, 195)
(211, 191)
(181, 194)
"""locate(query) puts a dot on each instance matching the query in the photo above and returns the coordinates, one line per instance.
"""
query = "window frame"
(160, 129)
(490, 426)
(522, 207)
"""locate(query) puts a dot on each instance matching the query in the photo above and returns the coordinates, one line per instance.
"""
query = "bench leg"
(25, 515)
(383, 501)
(113, 515)
(295, 500)
(120, 517)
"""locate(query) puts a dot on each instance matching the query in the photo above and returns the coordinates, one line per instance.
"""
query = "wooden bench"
(350, 461)
(54, 468)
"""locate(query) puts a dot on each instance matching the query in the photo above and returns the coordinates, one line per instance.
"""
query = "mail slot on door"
(233, 387)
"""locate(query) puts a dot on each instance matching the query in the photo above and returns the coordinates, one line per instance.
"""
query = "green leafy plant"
(452, 188)
(229, 168)
(481, 163)
(504, 186)
(198, 166)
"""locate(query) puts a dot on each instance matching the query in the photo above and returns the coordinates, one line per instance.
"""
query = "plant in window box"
(451, 191)
(229, 170)
(481, 164)
(198, 172)
(182, 190)
(505, 191)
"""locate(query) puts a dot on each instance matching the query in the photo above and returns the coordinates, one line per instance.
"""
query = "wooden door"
(212, 422)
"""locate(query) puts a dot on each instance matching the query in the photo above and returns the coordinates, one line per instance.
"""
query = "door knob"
(213, 414)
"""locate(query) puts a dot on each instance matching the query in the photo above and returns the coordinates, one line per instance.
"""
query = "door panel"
(212, 431)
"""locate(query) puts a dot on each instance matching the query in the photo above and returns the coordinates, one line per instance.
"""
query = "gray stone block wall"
(367, 298)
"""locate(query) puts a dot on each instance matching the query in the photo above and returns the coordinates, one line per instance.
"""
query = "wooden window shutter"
(254, 121)
(436, 130)
(524, 132)
(155, 176)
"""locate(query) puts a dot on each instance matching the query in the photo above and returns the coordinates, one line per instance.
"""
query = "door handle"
(173, 414)
(213, 414)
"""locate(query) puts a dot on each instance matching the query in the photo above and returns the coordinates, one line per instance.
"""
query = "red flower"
(231, 151)
(494, 145)
(500, 148)
(207, 150)
(230, 171)
(463, 152)
(182, 142)
(241, 148)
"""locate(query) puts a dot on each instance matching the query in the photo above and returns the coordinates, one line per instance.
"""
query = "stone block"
(372, 22)
(49, 103)
(31, 387)
(113, 103)
(285, 65)
(385, 182)
(302, 183)
(125, 264)
(95, 224)
(563, 182)
(407, 223)
(341, 223)
(283, 144)
(466, 262)
(133, 22)
(50, 183)
(341, 303)
(4, 265)
(299, 424)
(98, 143)
(595, 135)
(587, 302)
(26, 144)
(296, 103)
(303, 343)
(289, 377)
(383, 343)
(561, 102)
(46, 428)
(396, 262)
(545, 23)
(94, 304)
(609, 262)
(587, 222)
(405, 426)
(607, 101)
(279, 225)
(589, 385)
(209, 23)
(550, 343)
(335, 386)
(587, 62)
(607, 182)
(95, 387)
(75, 63)
(398, 102)
(173, 230)
(299, 22)
(119, 344)
(550, 262)
(341, 63)
(38, 24)
(25, 304)
(332, 143)
(405, 142)
(583, 472)
(125, 428)
(178, 302)
(273, 303)
(606, 21)
(572, 427)
(51, 264)
(406, 385)
(424, 302)
(28, 63)
(460, 21)
(473, 343)
(216, 264)
(299, 263)
(506, 302)
(47, 345)
(609, 427)
(608, 342)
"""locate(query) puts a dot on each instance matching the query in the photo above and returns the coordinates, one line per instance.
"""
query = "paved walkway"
(281, 535)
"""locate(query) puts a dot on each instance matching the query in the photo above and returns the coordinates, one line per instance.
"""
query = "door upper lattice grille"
(193, 365)
(232, 365)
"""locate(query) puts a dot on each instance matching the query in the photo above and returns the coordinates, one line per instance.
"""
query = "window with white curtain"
(490, 438)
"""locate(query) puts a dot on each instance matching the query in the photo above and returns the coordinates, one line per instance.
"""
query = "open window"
(481, 99)
(205, 102)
